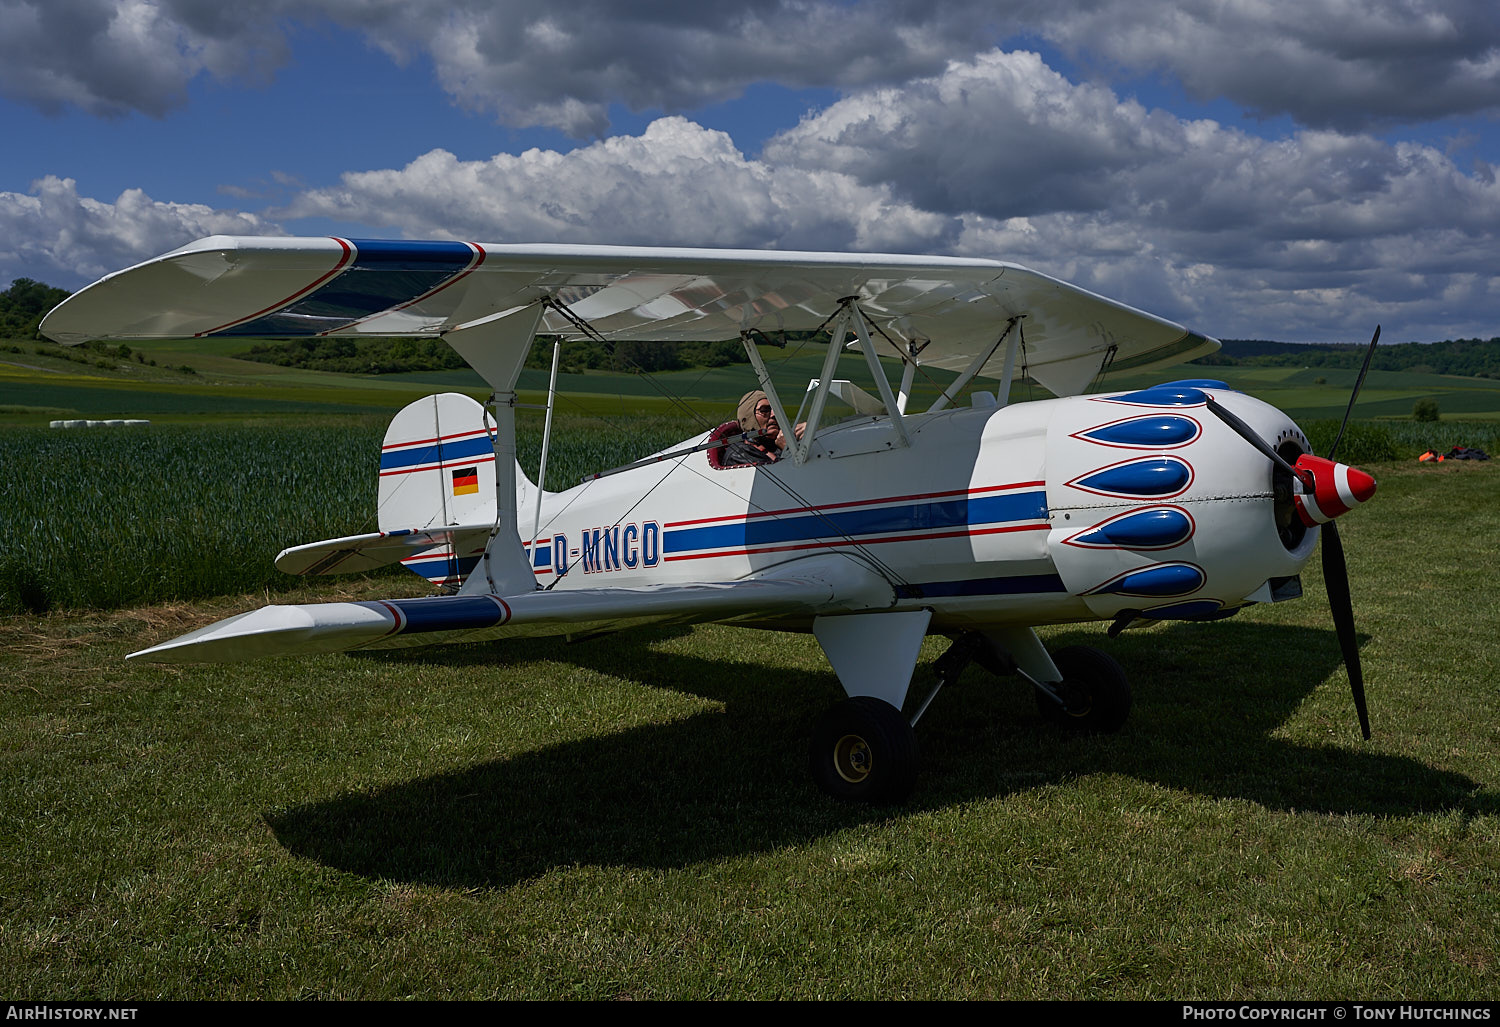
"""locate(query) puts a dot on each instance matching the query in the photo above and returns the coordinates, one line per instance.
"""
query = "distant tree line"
(1478, 358)
(358, 356)
(26, 302)
(392, 356)
(1475, 358)
(23, 305)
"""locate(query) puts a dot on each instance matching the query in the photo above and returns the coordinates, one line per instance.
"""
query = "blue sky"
(1252, 168)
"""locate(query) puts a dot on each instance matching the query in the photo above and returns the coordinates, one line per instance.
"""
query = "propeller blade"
(1358, 384)
(1336, 579)
(1335, 568)
(1247, 433)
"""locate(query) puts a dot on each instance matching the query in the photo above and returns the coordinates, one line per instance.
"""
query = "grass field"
(630, 818)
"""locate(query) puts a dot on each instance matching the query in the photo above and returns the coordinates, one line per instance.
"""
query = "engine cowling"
(1160, 509)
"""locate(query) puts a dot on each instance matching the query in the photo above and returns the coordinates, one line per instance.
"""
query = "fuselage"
(1039, 512)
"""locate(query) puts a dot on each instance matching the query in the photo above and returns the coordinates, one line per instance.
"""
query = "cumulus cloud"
(1327, 63)
(1002, 135)
(1307, 237)
(1187, 217)
(677, 183)
(528, 63)
(112, 57)
(1346, 64)
(55, 235)
(536, 64)
(940, 142)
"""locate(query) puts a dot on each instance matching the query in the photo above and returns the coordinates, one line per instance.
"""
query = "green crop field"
(37, 388)
(103, 517)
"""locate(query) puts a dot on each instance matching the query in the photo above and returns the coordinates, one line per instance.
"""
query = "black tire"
(1095, 694)
(863, 750)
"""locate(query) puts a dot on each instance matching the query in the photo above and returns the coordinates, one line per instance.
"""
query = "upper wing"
(951, 308)
(803, 589)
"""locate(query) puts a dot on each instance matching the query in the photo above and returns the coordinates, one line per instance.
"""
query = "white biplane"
(978, 521)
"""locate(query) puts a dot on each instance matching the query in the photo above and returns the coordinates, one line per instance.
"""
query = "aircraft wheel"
(863, 750)
(1095, 694)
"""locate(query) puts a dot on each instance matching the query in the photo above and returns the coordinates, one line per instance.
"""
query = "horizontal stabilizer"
(804, 588)
(367, 552)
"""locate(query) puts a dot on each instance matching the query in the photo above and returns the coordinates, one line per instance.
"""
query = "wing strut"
(849, 316)
(496, 347)
(862, 331)
(769, 388)
(825, 380)
(909, 369)
(980, 359)
(541, 477)
(1002, 394)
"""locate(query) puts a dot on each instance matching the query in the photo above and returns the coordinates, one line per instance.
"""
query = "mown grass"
(630, 817)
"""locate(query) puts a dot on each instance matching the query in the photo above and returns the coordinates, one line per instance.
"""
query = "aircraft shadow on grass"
(723, 784)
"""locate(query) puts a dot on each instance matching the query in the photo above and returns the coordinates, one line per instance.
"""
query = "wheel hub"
(1076, 700)
(852, 758)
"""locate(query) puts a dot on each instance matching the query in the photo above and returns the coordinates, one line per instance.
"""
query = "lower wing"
(805, 588)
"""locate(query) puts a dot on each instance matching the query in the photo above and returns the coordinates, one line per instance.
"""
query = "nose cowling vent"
(1154, 431)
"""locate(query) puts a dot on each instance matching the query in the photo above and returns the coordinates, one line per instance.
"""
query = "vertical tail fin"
(437, 469)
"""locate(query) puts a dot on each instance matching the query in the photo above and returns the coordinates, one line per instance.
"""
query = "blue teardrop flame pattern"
(1157, 528)
(1193, 609)
(1155, 431)
(1162, 396)
(1196, 383)
(1148, 477)
(1162, 581)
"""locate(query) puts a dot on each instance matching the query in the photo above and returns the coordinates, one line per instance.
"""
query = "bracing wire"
(1104, 366)
(592, 333)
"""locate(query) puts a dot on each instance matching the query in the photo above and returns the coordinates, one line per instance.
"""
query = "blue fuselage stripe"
(427, 565)
(447, 613)
(953, 513)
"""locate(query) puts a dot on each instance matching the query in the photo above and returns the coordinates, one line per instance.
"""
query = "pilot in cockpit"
(767, 443)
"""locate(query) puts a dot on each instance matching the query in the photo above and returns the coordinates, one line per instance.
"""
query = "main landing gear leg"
(864, 749)
(862, 736)
(1080, 689)
(948, 667)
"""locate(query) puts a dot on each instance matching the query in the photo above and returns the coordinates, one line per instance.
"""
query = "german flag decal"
(466, 481)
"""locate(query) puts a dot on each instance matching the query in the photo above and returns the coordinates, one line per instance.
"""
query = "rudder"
(437, 469)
